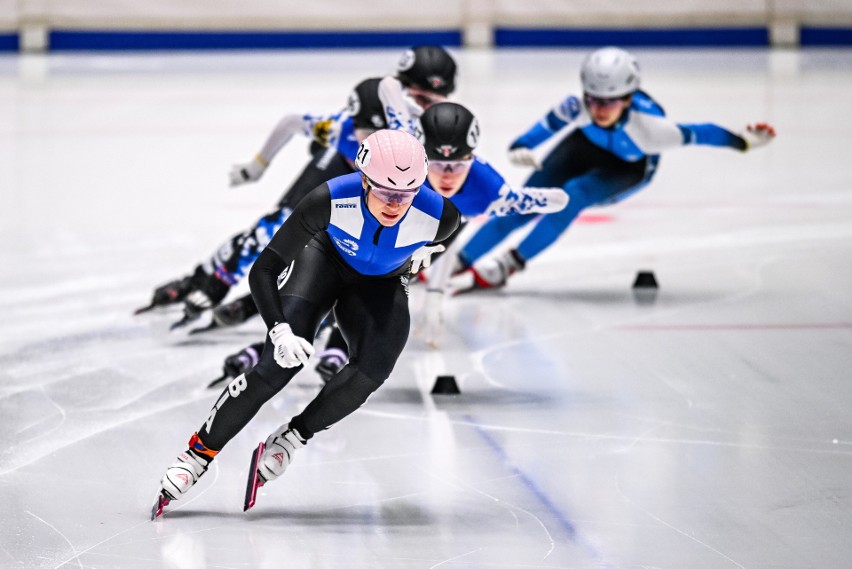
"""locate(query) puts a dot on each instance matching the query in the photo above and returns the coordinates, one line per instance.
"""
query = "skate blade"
(462, 283)
(254, 479)
(468, 281)
(218, 380)
(212, 326)
(183, 322)
(143, 309)
(159, 505)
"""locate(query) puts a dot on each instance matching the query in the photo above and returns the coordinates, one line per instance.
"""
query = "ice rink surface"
(709, 429)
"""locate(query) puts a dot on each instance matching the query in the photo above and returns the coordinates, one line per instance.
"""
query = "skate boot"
(180, 477)
(230, 314)
(207, 292)
(235, 312)
(330, 362)
(489, 273)
(270, 459)
(239, 363)
(170, 293)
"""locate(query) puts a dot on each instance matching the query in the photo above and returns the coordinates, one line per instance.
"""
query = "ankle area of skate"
(278, 453)
(189, 466)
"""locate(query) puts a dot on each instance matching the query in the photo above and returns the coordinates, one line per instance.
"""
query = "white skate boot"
(270, 459)
(178, 479)
(488, 273)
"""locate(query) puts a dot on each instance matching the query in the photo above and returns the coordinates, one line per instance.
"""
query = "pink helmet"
(393, 159)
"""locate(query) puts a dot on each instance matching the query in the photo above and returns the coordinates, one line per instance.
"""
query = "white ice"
(709, 429)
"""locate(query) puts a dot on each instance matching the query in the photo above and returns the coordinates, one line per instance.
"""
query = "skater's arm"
(709, 134)
(253, 170)
(450, 220)
(753, 136)
(287, 127)
(527, 201)
(309, 218)
(555, 120)
(398, 111)
(263, 281)
(447, 228)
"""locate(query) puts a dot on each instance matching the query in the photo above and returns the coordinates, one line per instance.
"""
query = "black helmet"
(448, 131)
(428, 67)
(364, 105)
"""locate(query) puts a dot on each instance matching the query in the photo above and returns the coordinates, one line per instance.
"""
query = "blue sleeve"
(553, 121)
(709, 134)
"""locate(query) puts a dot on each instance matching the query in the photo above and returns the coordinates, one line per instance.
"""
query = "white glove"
(422, 258)
(248, 172)
(434, 316)
(290, 350)
(524, 157)
(757, 135)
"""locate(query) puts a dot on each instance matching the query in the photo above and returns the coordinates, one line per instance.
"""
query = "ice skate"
(270, 459)
(170, 293)
(178, 479)
(330, 362)
(230, 314)
(239, 363)
(492, 273)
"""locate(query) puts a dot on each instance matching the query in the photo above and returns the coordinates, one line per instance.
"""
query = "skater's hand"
(290, 350)
(524, 157)
(422, 258)
(757, 135)
(248, 172)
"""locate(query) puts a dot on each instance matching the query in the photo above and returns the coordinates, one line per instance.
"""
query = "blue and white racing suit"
(594, 165)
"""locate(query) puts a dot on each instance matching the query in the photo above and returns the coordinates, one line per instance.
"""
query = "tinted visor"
(389, 196)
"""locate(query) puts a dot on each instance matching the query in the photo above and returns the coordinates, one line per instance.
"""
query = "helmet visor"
(389, 196)
(423, 97)
(450, 166)
(602, 102)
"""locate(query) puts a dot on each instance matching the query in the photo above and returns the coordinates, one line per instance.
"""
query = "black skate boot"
(170, 293)
(230, 314)
(239, 363)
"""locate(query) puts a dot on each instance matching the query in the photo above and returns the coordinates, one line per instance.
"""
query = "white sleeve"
(282, 133)
(398, 108)
(528, 200)
(653, 134)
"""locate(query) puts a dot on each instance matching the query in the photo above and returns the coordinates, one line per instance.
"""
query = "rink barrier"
(143, 40)
(675, 37)
(70, 40)
(9, 42)
(824, 36)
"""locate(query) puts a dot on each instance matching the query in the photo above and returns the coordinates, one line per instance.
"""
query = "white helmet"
(609, 72)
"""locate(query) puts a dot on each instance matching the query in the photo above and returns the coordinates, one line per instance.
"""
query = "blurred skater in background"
(613, 136)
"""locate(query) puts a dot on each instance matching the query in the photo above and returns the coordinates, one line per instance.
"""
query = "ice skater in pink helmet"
(349, 245)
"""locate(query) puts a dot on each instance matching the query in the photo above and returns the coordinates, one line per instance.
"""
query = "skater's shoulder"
(644, 103)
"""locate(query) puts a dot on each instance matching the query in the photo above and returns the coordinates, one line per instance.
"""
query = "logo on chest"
(348, 246)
